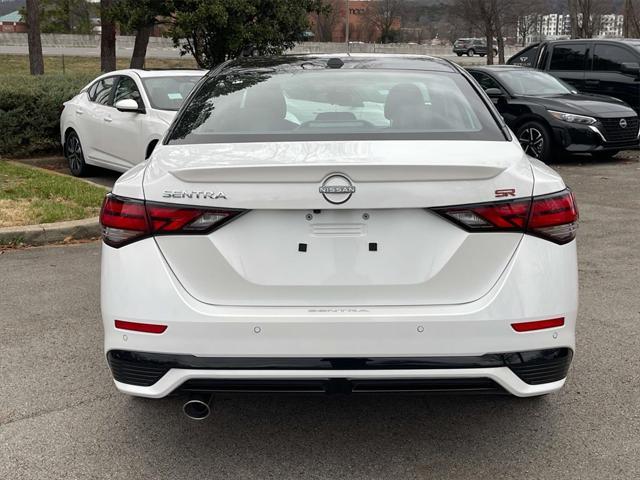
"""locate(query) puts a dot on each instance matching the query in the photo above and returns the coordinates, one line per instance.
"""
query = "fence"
(93, 41)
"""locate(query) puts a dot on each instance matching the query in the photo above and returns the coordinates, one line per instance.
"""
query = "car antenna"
(335, 62)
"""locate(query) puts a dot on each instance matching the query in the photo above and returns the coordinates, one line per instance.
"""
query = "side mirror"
(494, 93)
(128, 105)
(632, 68)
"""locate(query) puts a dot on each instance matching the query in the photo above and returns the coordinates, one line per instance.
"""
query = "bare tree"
(36, 62)
(384, 16)
(631, 21)
(524, 16)
(325, 23)
(481, 15)
(107, 38)
(527, 24)
(586, 17)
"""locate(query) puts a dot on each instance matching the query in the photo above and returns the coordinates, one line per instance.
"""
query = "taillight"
(125, 220)
(553, 217)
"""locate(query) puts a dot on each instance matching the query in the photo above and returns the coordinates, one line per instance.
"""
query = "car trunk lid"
(371, 241)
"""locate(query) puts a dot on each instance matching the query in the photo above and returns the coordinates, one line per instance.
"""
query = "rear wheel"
(535, 140)
(471, 52)
(75, 157)
(605, 155)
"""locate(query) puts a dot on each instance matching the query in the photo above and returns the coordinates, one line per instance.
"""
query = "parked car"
(116, 121)
(332, 250)
(605, 67)
(471, 47)
(548, 115)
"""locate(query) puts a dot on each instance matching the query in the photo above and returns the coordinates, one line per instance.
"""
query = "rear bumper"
(540, 282)
(521, 373)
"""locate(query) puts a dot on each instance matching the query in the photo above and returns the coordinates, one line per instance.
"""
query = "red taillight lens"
(538, 324)
(140, 327)
(553, 217)
(490, 216)
(122, 220)
(125, 220)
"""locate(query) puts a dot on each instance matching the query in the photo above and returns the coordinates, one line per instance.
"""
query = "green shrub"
(30, 109)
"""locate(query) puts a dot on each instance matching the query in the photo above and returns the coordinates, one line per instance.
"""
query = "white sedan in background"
(116, 121)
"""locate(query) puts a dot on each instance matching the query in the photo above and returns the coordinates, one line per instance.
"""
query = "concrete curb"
(45, 233)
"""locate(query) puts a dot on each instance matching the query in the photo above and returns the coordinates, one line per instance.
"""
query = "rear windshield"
(168, 93)
(246, 106)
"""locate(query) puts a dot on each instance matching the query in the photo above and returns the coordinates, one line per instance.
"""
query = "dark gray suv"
(471, 47)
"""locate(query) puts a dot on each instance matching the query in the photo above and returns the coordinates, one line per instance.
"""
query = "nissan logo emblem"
(623, 123)
(337, 188)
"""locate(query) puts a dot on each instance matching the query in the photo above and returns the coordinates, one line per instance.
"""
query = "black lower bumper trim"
(533, 367)
(343, 386)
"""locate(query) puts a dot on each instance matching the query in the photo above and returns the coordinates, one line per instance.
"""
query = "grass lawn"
(30, 195)
(19, 64)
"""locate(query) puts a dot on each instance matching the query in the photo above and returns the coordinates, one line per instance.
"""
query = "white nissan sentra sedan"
(338, 224)
(116, 121)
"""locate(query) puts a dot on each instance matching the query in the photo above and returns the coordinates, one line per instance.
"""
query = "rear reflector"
(538, 325)
(553, 217)
(125, 220)
(140, 327)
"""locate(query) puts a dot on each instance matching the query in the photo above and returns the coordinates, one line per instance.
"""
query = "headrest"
(402, 97)
(266, 99)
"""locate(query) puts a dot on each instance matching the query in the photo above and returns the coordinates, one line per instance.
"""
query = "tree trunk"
(36, 62)
(489, 34)
(631, 23)
(576, 26)
(499, 38)
(140, 46)
(107, 39)
(629, 15)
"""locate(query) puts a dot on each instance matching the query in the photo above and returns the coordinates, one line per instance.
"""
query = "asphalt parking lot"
(60, 416)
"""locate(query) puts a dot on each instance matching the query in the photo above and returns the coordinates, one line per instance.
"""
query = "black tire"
(471, 52)
(536, 140)
(459, 54)
(605, 155)
(74, 155)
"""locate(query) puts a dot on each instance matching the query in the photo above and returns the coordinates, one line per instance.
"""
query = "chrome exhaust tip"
(197, 407)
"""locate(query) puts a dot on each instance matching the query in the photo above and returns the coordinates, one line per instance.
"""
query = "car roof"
(349, 61)
(141, 73)
(500, 68)
(163, 72)
(628, 41)
(155, 73)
